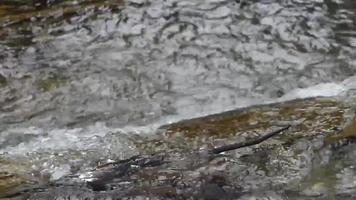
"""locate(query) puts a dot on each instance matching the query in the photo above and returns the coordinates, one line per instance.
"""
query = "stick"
(248, 143)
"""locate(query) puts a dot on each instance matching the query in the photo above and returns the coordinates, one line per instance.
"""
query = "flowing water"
(79, 78)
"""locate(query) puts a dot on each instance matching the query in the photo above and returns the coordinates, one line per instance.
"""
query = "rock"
(311, 118)
(212, 192)
(286, 157)
(138, 2)
(176, 163)
(3, 81)
(14, 178)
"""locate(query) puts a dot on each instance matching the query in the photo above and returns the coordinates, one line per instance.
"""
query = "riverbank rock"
(15, 177)
(175, 163)
(309, 118)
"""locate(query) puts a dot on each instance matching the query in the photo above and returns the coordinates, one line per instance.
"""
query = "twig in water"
(248, 143)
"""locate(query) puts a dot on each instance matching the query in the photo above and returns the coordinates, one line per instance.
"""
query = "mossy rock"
(14, 176)
(309, 118)
(174, 161)
(3, 81)
(49, 84)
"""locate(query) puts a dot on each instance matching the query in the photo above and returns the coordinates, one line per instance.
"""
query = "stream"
(81, 81)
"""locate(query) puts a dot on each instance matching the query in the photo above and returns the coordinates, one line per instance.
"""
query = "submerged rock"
(176, 164)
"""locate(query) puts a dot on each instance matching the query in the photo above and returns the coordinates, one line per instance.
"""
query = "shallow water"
(80, 79)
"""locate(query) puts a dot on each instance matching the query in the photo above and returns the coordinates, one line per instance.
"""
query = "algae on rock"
(289, 162)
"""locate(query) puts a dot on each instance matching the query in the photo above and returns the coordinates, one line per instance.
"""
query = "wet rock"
(3, 81)
(181, 167)
(311, 117)
(41, 10)
(46, 85)
(212, 192)
(107, 173)
(15, 177)
(138, 2)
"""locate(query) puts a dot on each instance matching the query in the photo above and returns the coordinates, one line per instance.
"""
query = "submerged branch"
(248, 143)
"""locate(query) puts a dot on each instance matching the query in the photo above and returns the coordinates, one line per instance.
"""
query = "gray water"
(80, 86)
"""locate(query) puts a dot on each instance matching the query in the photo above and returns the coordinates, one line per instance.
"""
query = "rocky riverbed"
(174, 163)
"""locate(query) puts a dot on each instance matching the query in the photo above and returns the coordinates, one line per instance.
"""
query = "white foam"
(60, 171)
(63, 139)
(350, 83)
(320, 90)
